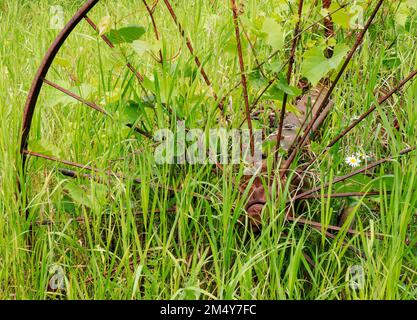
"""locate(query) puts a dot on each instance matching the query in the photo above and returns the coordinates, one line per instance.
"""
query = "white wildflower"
(353, 161)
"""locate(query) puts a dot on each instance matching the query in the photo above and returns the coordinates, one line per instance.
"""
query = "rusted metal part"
(76, 97)
(155, 28)
(43, 70)
(316, 117)
(342, 195)
(315, 96)
(73, 174)
(191, 49)
(289, 75)
(138, 75)
(290, 125)
(364, 116)
(256, 203)
(75, 165)
(293, 124)
(328, 227)
(243, 75)
(104, 37)
(354, 173)
(94, 106)
(328, 28)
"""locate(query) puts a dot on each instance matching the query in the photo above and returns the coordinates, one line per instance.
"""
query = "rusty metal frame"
(43, 70)
(40, 80)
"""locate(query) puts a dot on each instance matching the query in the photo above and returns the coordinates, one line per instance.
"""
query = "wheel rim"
(256, 205)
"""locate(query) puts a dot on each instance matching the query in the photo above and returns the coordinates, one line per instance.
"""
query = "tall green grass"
(130, 246)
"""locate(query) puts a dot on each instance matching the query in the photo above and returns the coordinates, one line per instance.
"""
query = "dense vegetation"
(183, 232)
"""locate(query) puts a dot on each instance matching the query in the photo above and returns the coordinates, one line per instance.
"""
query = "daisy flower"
(353, 161)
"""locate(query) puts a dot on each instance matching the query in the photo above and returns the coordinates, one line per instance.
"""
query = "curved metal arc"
(44, 68)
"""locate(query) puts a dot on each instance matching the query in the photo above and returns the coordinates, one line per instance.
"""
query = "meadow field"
(130, 227)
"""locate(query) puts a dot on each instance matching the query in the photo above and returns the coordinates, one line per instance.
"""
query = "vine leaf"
(78, 194)
(342, 16)
(315, 65)
(47, 148)
(126, 34)
(404, 11)
(273, 33)
(142, 47)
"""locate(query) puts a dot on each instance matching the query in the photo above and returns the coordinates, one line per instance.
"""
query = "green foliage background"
(131, 246)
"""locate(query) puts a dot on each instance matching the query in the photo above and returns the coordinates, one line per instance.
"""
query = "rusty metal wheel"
(288, 179)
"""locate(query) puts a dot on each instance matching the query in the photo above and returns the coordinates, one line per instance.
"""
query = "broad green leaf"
(275, 66)
(315, 65)
(84, 90)
(402, 14)
(341, 17)
(339, 52)
(257, 81)
(78, 194)
(126, 34)
(46, 148)
(68, 205)
(142, 47)
(130, 112)
(273, 93)
(274, 33)
(283, 85)
(412, 4)
(149, 84)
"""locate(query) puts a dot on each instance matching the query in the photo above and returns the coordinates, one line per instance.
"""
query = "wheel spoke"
(76, 97)
(155, 28)
(299, 34)
(93, 106)
(74, 174)
(111, 45)
(43, 70)
(306, 118)
(191, 49)
(324, 230)
(352, 174)
(362, 117)
(316, 117)
(289, 74)
(243, 75)
(342, 195)
(319, 225)
(75, 165)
